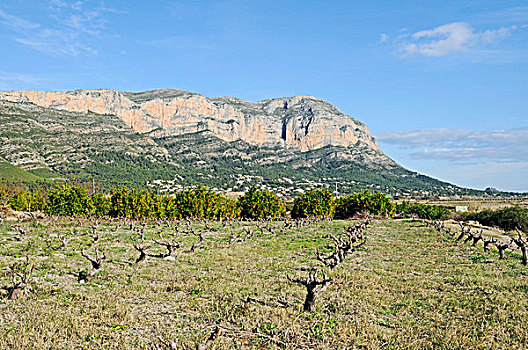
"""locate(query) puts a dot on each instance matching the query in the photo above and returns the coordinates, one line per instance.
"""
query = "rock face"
(300, 122)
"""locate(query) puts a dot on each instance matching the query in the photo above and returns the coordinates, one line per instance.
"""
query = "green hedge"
(203, 202)
(200, 202)
(67, 200)
(423, 211)
(27, 201)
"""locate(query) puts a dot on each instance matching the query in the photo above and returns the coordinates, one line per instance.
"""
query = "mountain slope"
(10, 172)
(171, 138)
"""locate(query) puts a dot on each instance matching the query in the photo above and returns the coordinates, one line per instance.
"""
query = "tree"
(260, 204)
(317, 203)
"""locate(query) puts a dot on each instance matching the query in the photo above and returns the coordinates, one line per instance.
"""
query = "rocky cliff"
(168, 139)
(300, 122)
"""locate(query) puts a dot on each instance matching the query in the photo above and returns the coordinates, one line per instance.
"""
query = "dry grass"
(409, 287)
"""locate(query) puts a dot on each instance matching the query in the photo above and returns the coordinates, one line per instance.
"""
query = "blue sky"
(442, 85)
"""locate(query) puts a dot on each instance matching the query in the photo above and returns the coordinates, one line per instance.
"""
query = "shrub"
(259, 204)
(508, 218)
(131, 203)
(423, 211)
(317, 203)
(200, 202)
(28, 201)
(101, 205)
(69, 201)
(8, 190)
(373, 203)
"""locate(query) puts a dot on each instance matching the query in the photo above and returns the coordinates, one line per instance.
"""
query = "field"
(407, 287)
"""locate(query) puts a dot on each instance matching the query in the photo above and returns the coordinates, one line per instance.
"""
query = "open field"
(408, 287)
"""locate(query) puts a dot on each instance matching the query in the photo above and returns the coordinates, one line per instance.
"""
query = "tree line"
(202, 202)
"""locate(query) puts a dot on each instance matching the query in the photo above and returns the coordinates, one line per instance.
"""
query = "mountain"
(171, 138)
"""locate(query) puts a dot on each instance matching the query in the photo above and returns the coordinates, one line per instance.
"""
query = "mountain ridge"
(302, 122)
(286, 144)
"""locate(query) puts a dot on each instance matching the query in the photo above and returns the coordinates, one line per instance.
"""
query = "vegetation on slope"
(10, 172)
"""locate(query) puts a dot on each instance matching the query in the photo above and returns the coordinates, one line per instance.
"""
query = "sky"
(442, 85)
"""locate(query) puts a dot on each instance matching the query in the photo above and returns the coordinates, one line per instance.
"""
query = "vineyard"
(134, 270)
(123, 283)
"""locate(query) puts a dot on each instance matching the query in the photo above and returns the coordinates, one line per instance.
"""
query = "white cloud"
(448, 38)
(67, 29)
(462, 144)
(8, 80)
(472, 158)
(384, 38)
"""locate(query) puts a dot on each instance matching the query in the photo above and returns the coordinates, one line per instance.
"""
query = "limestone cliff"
(300, 122)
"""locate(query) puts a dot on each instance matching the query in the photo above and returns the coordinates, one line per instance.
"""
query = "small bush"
(8, 190)
(28, 201)
(200, 202)
(318, 203)
(260, 204)
(101, 204)
(69, 201)
(131, 203)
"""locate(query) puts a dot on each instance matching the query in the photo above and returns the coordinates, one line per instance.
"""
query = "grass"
(14, 173)
(408, 287)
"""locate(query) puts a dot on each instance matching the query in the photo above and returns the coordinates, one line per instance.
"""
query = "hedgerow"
(423, 211)
(69, 201)
(27, 201)
(203, 203)
(200, 202)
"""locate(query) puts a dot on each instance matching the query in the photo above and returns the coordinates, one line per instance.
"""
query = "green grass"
(408, 287)
(14, 173)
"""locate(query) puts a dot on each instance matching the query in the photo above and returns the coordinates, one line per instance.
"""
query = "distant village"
(288, 188)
